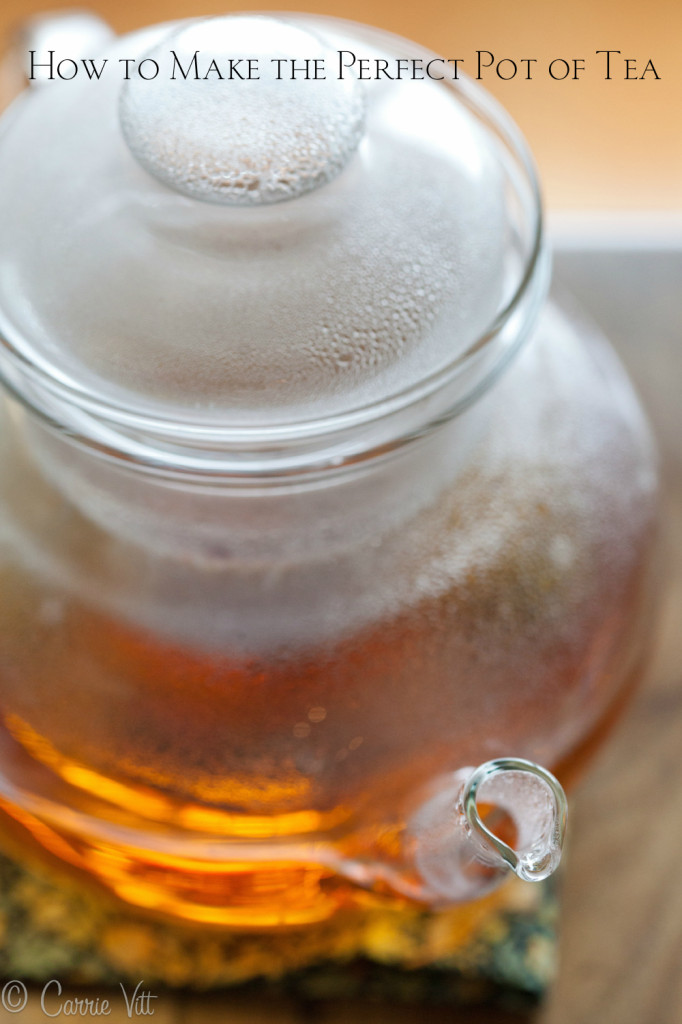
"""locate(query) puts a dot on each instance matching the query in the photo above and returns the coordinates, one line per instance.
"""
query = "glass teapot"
(325, 536)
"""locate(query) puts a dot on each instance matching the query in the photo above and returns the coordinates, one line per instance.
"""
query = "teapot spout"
(507, 814)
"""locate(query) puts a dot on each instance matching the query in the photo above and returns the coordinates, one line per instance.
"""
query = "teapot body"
(265, 679)
(309, 500)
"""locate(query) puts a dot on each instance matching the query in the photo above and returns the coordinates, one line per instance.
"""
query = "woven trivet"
(500, 950)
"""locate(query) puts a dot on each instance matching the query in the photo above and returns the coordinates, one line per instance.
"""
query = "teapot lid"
(248, 252)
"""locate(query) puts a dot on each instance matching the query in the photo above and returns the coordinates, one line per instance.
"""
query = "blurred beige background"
(613, 145)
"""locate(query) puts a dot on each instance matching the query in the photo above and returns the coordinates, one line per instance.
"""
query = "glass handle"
(541, 822)
(507, 814)
(70, 35)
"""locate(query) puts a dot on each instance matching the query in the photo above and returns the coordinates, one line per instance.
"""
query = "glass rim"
(125, 430)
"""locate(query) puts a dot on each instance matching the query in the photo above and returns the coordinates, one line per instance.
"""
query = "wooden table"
(622, 921)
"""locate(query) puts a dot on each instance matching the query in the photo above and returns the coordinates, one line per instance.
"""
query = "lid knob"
(211, 130)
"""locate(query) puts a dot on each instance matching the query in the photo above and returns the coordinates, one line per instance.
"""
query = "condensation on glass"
(311, 501)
